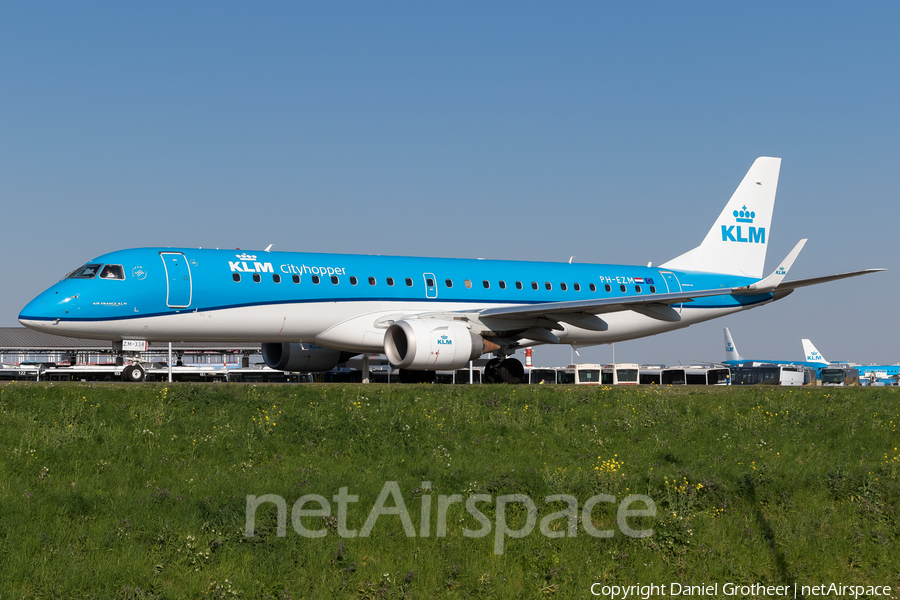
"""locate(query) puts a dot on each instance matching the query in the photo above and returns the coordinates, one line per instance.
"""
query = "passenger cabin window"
(390, 281)
(622, 287)
(276, 278)
(85, 272)
(256, 278)
(237, 276)
(518, 285)
(112, 272)
(637, 289)
(371, 281)
(448, 283)
(353, 280)
(468, 283)
(652, 289)
(486, 284)
(593, 287)
(502, 285)
(334, 279)
(563, 287)
(408, 282)
(548, 286)
(577, 287)
(608, 288)
(429, 282)
(315, 279)
(296, 279)
(534, 285)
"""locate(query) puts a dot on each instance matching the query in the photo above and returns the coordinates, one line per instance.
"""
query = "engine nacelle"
(300, 357)
(431, 344)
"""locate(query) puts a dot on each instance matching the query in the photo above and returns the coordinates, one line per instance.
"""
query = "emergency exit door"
(430, 285)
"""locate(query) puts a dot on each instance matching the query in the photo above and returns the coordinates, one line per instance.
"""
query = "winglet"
(772, 281)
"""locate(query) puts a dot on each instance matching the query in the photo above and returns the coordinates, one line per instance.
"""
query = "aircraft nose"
(44, 310)
(33, 309)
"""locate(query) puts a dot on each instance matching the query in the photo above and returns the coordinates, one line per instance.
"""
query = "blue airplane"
(868, 374)
(879, 374)
(813, 357)
(424, 314)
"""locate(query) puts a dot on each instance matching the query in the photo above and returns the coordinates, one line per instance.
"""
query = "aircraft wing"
(775, 282)
(656, 305)
(798, 283)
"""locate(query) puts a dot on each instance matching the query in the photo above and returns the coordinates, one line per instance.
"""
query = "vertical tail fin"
(812, 355)
(737, 242)
(731, 352)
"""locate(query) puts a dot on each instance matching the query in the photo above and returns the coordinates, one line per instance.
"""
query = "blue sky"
(614, 132)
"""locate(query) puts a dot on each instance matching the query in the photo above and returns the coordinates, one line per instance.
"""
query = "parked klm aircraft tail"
(737, 242)
(732, 357)
(731, 352)
(812, 355)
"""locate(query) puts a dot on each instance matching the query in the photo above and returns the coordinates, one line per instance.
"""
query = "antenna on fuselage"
(269, 247)
(571, 258)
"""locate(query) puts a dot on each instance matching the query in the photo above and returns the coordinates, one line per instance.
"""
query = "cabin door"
(178, 279)
(673, 285)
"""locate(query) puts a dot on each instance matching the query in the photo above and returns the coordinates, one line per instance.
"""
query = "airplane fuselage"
(346, 301)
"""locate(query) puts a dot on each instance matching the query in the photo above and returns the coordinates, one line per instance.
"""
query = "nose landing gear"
(133, 373)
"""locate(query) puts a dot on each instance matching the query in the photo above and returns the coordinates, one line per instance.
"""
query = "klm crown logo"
(744, 215)
(241, 266)
(735, 233)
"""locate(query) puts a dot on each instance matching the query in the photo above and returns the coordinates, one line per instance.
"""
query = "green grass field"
(140, 491)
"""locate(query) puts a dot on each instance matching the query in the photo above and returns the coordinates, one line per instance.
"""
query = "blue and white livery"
(425, 314)
(732, 358)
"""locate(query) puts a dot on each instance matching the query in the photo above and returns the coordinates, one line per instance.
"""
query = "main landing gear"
(507, 370)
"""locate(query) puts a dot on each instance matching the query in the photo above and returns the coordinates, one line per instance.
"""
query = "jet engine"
(432, 344)
(300, 357)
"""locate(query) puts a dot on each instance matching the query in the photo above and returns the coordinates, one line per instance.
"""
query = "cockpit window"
(85, 272)
(112, 272)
